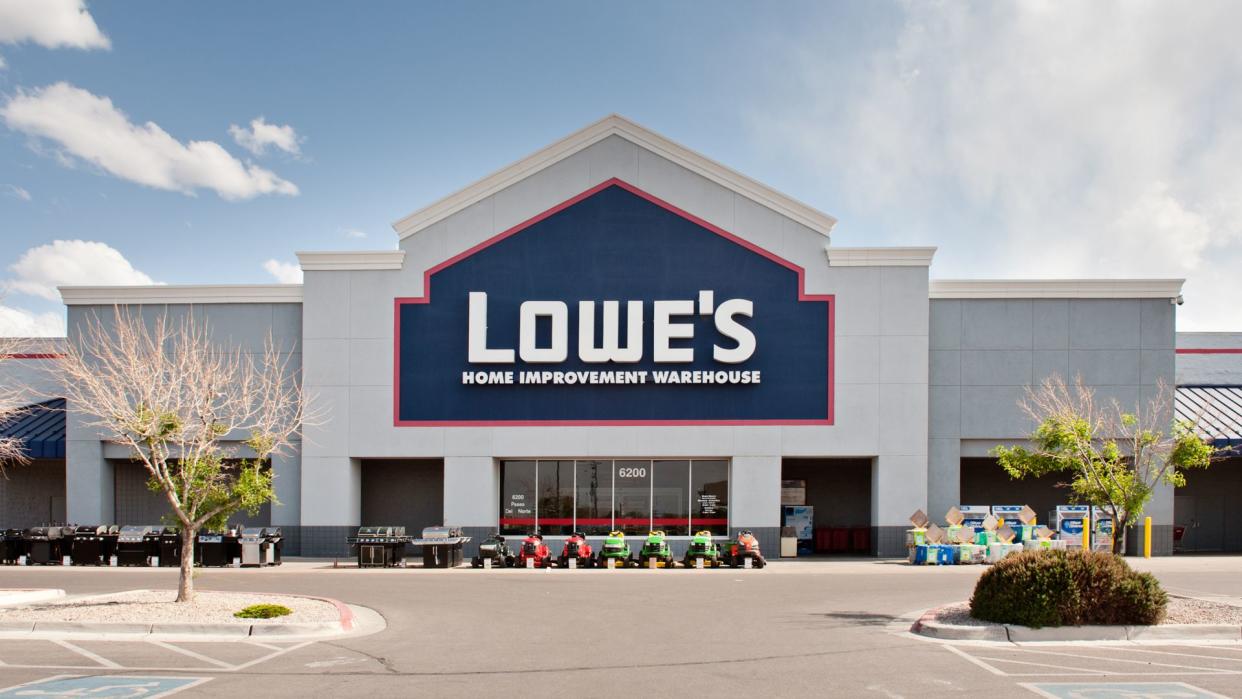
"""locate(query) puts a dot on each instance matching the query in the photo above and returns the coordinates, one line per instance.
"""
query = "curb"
(345, 623)
(926, 625)
(10, 598)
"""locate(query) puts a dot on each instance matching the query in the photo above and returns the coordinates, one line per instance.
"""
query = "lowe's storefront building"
(619, 333)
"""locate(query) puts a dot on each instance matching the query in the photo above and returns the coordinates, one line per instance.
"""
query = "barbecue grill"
(132, 545)
(442, 546)
(47, 545)
(260, 546)
(167, 545)
(274, 542)
(87, 548)
(12, 546)
(380, 547)
(217, 549)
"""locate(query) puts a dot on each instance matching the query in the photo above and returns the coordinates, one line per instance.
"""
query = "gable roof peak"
(615, 125)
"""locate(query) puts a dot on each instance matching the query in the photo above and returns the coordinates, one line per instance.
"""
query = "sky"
(176, 142)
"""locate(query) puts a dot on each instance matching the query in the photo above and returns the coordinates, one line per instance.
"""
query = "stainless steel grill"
(380, 547)
(442, 546)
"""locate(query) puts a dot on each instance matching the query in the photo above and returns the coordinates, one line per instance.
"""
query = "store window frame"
(690, 526)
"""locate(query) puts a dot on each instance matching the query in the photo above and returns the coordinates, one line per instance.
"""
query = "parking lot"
(793, 629)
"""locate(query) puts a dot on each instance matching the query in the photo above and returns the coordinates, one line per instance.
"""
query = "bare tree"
(1115, 456)
(12, 403)
(202, 418)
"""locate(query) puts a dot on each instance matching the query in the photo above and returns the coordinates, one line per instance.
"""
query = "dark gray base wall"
(1161, 540)
(322, 541)
(477, 535)
(889, 542)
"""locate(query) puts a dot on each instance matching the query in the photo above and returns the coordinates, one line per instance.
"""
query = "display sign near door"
(614, 308)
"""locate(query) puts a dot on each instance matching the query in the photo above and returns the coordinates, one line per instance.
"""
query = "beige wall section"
(880, 360)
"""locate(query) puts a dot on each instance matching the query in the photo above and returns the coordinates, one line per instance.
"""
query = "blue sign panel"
(104, 686)
(614, 308)
(1120, 690)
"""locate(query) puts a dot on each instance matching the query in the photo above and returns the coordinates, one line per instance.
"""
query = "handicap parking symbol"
(1120, 690)
(104, 687)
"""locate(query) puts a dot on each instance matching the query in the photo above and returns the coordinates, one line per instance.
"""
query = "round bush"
(1067, 588)
(263, 611)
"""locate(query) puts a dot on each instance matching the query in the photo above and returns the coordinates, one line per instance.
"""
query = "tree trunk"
(185, 586)
(1119, 537)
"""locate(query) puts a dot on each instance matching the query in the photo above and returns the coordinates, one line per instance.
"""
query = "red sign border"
(827, 299)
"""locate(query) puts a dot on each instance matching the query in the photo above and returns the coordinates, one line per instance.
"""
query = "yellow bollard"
(1147, 537)
(1086, 534)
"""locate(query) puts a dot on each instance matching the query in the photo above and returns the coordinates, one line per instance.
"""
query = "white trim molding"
(880, 257)
(351, 260)
(180, 293)
(614, 125)
(1056, 288)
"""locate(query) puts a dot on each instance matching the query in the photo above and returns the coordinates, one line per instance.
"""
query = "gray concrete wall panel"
(32, 494)
(1104, 324)
(1121, 348)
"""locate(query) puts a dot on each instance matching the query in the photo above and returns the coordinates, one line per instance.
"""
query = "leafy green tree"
(1114, 457)
(202, 417)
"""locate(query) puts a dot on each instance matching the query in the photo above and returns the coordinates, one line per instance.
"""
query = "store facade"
(618, 333)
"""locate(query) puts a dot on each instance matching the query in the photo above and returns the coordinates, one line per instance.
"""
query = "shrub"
(1067, 588)
(263, 611)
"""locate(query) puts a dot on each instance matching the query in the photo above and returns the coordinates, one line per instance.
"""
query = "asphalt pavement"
(832, 628)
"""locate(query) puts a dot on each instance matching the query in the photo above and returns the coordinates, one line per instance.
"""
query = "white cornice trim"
(615, 125)
(351, 260)
(880, 257)
(1056, 288)
(181, 293)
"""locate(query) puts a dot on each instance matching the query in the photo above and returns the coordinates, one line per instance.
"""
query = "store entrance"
(403, 493)
(1206, 513)
(838, 495)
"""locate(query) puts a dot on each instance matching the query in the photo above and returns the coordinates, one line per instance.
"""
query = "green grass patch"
(263, 611)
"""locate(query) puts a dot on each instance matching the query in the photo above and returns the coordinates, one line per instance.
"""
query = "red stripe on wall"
(1220, 350)
(562, 521)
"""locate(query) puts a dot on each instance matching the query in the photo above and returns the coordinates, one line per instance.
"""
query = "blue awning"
(41, 426)
(1217, 411)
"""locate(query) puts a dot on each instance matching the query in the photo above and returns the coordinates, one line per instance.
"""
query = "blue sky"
(1024, 139)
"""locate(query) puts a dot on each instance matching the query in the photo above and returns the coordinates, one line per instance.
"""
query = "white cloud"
(50, 23)
(261, 134)
(12, 190)
(354, 233)
(89, 127)
(19, 322)
(284, 272)
(71, 262)
(1037, 139)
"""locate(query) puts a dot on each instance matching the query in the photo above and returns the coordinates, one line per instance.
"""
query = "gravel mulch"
(1181, 610)
(159, 607)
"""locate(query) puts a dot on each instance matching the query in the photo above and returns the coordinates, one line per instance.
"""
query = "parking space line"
(191, 654)
(1125, 660)
(1072, 670)
(272, 656)
(976, 661)
(87, 654)
(1186, 655)
(264, 645)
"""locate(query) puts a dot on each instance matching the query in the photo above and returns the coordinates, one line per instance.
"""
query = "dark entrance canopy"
(41, 426)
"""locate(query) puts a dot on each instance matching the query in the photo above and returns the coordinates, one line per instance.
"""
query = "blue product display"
(920, 554)
(945, 554)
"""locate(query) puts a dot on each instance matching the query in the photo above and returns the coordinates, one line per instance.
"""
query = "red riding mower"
(576, 549)
(533, 549)
(735, 552)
